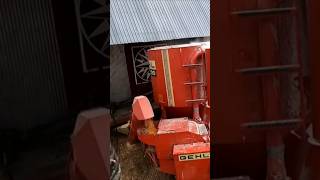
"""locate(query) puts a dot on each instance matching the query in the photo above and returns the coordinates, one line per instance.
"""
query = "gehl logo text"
(191, 157)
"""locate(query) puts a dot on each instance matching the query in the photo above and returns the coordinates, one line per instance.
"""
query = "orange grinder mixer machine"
(178, 144)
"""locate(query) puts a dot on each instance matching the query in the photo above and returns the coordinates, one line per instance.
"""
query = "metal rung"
(261, 12)
(193, 83)
(270, 124)
(269, 69)
(195, 100)
(192, 65)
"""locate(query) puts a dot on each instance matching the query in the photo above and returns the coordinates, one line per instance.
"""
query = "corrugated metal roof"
(134, 21)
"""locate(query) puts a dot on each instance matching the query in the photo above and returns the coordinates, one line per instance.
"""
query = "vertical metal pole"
(269, 55)
(314, 42)
(195, 88)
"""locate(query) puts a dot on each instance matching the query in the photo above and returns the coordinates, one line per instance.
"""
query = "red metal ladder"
(268, 73)
(195, 83)
(196, 86)
(274, 69)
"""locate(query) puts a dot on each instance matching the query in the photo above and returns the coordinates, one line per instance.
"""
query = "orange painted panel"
(192, 161)
(174, 77)
(158, 81)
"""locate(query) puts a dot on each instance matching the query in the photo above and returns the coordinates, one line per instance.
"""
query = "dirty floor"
(134, 166)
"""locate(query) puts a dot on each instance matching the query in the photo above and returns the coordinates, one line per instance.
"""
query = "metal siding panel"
(169, 31)
(132, 25)
(126, 21)
(152, 23)
(114, 20)
(32, 87)
(144, 16)
(134, 22)
(158, 20)
(176, 16)
(112, 38)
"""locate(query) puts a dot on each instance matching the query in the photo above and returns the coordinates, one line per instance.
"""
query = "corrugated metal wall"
(31, 80)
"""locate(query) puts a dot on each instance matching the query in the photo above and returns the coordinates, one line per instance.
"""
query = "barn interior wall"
(119, 81)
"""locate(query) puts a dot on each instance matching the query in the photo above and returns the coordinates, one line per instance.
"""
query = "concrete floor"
(45, 163)
(42, 163)
(42, 155)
